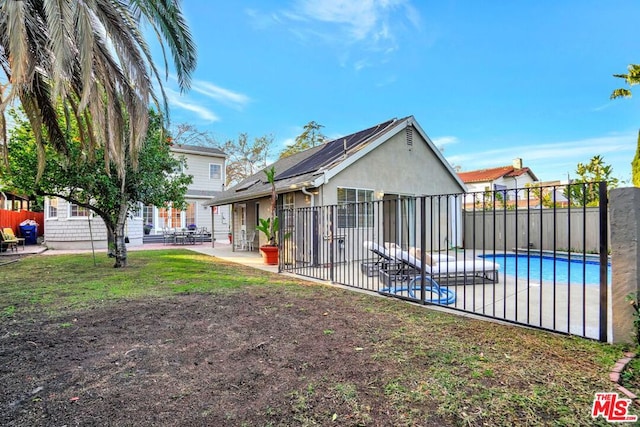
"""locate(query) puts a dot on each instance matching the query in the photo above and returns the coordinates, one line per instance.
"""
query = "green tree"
(632, 78)
(245, 157)
(81, 180)
(310, 137)
(584, 191)
(91, 58)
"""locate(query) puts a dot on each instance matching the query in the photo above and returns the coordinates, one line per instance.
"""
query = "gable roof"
(315, 166)
(484, 175)
(335, 150)
(196, 149)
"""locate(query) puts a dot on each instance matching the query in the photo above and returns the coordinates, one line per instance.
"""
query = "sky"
(487, 81)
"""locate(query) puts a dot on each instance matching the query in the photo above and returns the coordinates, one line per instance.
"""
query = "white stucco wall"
(395, 168)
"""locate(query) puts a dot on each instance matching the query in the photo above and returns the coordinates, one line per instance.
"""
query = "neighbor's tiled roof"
(484, 175)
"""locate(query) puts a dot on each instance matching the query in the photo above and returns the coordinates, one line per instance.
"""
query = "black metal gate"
(536, 256)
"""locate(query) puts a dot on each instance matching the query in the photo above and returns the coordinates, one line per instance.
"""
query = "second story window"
(215, 171)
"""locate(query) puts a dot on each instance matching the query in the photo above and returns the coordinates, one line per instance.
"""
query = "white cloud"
(553, 160)
(388, 81)
(367, 25)
(445, 140)
(602, 107)
(359, 65)
(224, 96)
(180, 101)
(362, 19)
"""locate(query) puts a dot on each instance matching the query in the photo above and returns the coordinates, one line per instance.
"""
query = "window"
(215, 171)
(147, 214)
(52, 210)
(354, 208)
(190, 214)
(76, 211)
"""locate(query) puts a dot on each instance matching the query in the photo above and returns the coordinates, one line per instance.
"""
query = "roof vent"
(409, 133)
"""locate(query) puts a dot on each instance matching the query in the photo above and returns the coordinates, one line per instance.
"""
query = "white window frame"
(219, 167)
(343, 221)
(49, 207)
(70, 210)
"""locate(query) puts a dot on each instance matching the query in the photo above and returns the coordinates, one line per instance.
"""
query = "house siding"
(64, 232)
(198, 166)
(73, 233)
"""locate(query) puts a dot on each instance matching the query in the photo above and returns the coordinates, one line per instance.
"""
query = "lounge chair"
(439, 267)
(396, 273)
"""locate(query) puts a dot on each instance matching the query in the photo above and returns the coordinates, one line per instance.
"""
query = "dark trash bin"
(30, 234)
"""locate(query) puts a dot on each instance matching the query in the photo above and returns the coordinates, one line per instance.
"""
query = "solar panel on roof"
(248, 185)
(332, 151)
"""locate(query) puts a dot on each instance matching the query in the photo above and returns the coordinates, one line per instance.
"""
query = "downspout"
(213, 227)
(308, 193)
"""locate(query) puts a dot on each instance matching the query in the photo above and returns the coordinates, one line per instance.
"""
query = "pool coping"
(574, 255)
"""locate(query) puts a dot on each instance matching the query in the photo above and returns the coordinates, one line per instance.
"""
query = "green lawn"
(474, 372)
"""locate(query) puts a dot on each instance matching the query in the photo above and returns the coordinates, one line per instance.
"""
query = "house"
(69, 226)
(503, 178)
(389, 161)
(207, 166)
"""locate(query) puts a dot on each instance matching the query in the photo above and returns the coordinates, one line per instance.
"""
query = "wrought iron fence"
(535, 256)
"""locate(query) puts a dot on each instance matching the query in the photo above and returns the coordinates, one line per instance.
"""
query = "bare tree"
(188, 134)
(245, 157)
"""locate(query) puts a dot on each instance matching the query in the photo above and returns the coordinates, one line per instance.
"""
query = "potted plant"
(147, 228)
(269, 226)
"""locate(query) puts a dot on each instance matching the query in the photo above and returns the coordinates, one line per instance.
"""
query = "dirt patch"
(249, 358)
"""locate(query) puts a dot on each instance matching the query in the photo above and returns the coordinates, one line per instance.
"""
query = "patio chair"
(241, 243)
(395, 272)
(168, 235)
(9, 239)
(250, 240)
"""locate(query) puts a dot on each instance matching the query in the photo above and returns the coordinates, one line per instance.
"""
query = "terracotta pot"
(269, 254)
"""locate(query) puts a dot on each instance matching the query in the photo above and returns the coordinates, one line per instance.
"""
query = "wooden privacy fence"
(14, 218)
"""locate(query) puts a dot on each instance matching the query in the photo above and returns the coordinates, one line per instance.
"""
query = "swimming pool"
(565, 271)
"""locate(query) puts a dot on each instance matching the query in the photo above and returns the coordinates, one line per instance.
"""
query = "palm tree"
(89, 59)
(87, 62)
(631, 78)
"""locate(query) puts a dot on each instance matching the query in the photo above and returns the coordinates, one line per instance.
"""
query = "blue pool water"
(565, 270)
